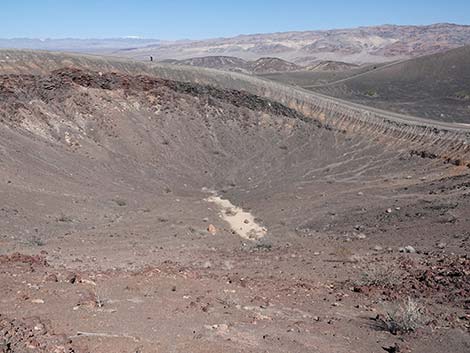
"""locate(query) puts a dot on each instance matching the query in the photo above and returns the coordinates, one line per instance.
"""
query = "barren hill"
(151, 206)
(320, 73)
(329, 65)
(230, 63)
(435, 86)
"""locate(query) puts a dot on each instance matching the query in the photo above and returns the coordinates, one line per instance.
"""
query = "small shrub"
(263, 246)
(380, 276)
(36, 241)
(405, 317)
(260, 245)
(344, 254)
(120, 202)
(65, 219)
(371, 93)
(99, 301)
(463, 95)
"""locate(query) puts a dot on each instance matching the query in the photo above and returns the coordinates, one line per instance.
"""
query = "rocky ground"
(109, 241)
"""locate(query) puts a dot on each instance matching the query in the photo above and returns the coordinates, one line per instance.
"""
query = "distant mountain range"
(79, 45)
(357, 45)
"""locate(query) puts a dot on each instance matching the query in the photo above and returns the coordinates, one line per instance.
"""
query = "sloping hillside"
(330, 65)
(435, 86)
(230, 63)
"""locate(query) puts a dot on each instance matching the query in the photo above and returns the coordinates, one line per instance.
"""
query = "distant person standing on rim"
(151, 58)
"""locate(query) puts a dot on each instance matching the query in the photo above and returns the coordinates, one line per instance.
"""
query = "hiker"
(151, 58)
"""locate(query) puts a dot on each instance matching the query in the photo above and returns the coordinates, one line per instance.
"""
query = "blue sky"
(178, 19)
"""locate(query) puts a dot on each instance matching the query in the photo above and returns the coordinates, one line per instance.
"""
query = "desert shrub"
(344, 254)
(64, 218)
(463, 95)
(404, 317)
(120, 202)
(380, 276)
(371, 93)
(36, 241)
(263, 246)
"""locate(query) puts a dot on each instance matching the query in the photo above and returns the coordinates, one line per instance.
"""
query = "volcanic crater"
(107, 171)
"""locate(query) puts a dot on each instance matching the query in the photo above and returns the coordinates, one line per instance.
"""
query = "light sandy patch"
(241, 222)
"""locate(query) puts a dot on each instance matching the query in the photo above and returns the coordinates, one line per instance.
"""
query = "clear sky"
(180, 19)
